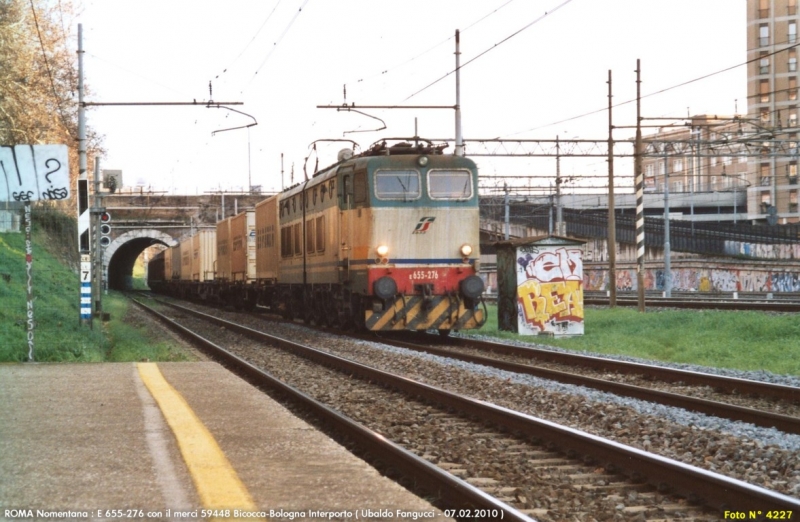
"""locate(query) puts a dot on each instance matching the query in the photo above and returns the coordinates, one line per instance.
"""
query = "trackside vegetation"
(58, 334)
(723, 339)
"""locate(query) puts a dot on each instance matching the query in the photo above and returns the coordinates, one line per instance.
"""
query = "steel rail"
(730, 384)
(730, 304)
(714, 490)
(785, 423)
(454, 492)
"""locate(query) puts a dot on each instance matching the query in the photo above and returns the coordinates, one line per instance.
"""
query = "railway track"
(734, 301)
(601, 380)
(566, 454)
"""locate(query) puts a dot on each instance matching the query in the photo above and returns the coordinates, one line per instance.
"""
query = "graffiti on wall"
(699, 280)
(550, 290)
(763, 251)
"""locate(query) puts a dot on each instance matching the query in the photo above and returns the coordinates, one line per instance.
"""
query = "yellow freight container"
(204, 245)
(243, 246)
(223, 268)
(267, 245)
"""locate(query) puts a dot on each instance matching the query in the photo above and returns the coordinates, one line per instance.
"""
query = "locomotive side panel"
(321, 247)
(223, 269)
(292, 244)
(267, 239)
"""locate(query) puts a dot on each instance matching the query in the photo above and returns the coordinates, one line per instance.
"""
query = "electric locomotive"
(385, 240)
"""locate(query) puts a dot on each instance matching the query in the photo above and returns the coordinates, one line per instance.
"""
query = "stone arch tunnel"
(120, 256)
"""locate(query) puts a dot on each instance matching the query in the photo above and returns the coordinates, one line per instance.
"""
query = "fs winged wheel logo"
(423, 225)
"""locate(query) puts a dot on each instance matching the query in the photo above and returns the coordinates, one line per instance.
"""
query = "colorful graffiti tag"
(550, 291)
(699, 280)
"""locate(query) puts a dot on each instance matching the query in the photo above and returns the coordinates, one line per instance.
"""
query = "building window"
(763, 89)
(649, 172)
(765, 177)
(727, 160)
(677, 165)
(792, 60)
(793, 119)
(791, 9)
(765, 115)
(763, 35)
(792, 36)
(791, 172)
(764, 63)
(763, 9)
(793, 201)
(765, 201)
(792, 88)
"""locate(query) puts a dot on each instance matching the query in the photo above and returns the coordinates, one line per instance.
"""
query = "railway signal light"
(105, 229)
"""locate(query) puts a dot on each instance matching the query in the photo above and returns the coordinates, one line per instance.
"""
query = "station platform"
(174, 441)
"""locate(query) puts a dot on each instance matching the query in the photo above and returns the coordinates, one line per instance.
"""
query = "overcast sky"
(282, 58)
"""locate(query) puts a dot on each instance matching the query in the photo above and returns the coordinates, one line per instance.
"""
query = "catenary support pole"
(459, 138)
(84, 214)
(612, 225)
(639, 175)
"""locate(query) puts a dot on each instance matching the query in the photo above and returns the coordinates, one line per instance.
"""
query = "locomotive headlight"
(466, 250)
(382, 250)
(423, 160)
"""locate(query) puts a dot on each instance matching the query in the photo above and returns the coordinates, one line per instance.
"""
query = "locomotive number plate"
(417, 275)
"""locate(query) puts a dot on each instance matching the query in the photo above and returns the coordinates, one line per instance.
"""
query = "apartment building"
(772, 106)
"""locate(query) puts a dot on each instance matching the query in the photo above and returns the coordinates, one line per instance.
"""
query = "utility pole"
(98, 249)
(84, 215)
(459, 138)
(507, 223)
(667, 265)
(639, 174)
(561, 228)
(612, 225)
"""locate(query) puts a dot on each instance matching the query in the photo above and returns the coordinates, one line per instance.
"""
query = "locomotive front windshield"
(450, 184)
(397, 184)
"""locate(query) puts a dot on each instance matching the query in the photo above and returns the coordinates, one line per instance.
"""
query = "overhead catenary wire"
(435, 46)
(275, 44)
(495, 46)
(661, 91)
(225, 69)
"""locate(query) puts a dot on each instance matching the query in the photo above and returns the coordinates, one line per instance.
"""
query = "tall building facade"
(772, 106)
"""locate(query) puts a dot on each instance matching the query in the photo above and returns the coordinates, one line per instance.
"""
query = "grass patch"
(723, 339)
(131, 339)
(59, 335)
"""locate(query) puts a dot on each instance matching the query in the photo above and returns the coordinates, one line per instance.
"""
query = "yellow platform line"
(217, 483)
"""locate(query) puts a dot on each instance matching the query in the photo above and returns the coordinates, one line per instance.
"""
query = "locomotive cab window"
(450, 184)
(402, 185)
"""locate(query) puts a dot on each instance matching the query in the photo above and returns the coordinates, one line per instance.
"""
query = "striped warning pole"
(83, 197)
(639, 194)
